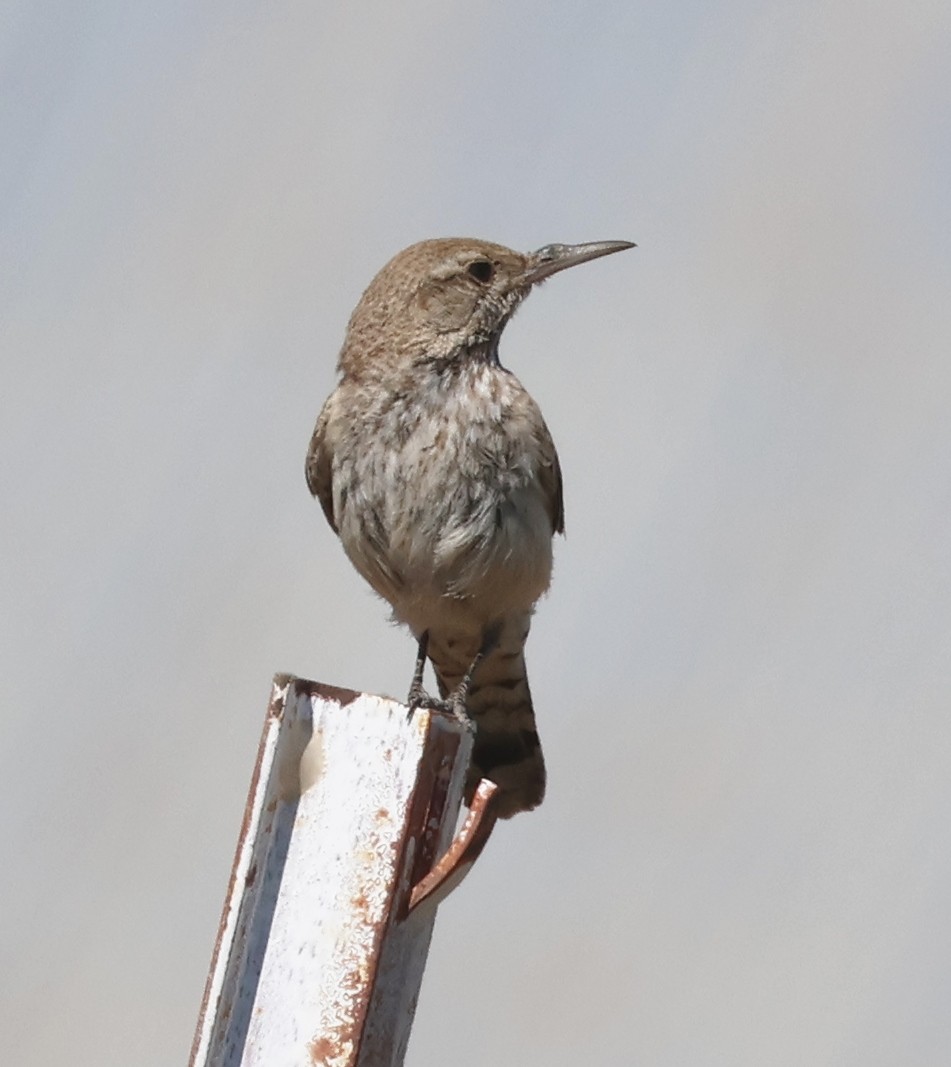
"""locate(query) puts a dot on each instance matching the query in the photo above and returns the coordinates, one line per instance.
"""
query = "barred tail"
(506, 749)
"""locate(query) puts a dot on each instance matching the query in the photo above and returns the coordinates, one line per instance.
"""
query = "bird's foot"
(454, 706)
(457, 706)
(418, 697)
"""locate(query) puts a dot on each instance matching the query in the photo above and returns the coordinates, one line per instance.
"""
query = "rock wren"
(436, 469)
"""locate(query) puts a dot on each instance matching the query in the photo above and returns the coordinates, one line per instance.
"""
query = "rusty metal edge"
(417, 849)
(281, 686)
(455, 863)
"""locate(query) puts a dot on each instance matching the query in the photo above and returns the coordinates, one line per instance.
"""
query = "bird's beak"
(553, 258)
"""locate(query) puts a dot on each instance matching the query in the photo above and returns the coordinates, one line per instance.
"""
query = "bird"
(434, 466)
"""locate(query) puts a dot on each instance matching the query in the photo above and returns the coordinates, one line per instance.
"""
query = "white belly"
(452, 527)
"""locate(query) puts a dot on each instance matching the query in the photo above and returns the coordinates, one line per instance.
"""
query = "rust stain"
(281, 686)
(466, 846)
(340, 696)
(333, 1046)
(251, 875)
(430, 798)
(321, 1049)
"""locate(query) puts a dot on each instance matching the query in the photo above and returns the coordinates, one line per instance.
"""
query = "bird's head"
(449, 299)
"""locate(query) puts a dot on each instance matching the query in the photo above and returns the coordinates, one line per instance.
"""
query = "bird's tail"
(506, 748)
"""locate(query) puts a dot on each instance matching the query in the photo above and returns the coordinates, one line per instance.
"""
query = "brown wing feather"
(550, 476)
(318, 468)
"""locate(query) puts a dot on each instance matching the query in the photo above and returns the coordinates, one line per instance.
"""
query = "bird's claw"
(454, 706)
(418, 698)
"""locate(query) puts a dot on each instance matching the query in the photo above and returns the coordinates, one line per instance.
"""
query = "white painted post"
(345, 849)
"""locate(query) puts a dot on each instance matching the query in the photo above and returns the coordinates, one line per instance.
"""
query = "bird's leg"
(455, 702)
(458, 698)
(418, 697)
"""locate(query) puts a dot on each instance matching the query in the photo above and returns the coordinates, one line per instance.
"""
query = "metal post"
(345, 850)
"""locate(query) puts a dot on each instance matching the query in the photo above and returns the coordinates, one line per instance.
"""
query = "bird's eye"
(482, 270)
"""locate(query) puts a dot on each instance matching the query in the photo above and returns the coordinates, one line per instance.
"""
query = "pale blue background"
(743, 672)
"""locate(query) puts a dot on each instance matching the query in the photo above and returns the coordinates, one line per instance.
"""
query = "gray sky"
(743, 671)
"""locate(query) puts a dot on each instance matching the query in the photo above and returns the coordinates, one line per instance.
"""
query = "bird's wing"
(319, 466)
(550, 478)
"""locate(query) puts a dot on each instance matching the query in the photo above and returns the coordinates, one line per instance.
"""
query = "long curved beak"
(553, 258)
